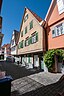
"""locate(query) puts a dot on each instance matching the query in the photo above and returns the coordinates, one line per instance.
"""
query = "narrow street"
(32, 82)
(15, 71)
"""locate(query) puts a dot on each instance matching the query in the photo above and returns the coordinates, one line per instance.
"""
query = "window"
(25, 30)
(20, 44)
(30, 40)
(58, 30)
(22, 34)
(13, 48)
(35, 37)
(31, 24)
(28, 59)
(60, 4)
(27, 42)
(23, 43)
(25, 18)
(12, 42)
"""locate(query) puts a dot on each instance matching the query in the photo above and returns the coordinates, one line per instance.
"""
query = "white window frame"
(34, 38)
(57, 30)
(60, 4)
(27, 42)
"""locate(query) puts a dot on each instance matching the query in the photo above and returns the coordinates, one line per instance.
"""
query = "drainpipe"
(56, 63)
(45, 43)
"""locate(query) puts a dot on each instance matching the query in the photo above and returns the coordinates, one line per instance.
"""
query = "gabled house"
(55, 28)
(5, 51)
(31, 45)
(14, 42)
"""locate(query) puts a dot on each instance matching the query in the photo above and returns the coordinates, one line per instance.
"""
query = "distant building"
(14, 44)
(5, 51)
(1, 35)
(55, 28)
(0, 5)
(31, 45)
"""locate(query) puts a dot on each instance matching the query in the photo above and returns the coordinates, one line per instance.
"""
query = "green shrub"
(49, 57)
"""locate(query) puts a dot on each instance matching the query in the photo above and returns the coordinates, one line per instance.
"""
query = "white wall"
(45, 68)
(13, 52)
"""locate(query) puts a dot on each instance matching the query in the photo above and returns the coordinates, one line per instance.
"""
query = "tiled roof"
(6, 45)
(35, 15)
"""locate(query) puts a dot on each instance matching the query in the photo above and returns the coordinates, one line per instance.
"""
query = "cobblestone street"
(28, 86)
(32, 82)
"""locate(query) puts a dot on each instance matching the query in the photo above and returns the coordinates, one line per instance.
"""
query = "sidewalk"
(46, 78)
(33, 82)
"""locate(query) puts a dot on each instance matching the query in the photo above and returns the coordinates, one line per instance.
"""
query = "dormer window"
(25, 18)
(60, 4)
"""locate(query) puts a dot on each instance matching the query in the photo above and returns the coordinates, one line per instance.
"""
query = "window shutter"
(25, 42)
(31, 40)
(36, 36)
(63, 28)
(28, 59)
(25, 30)
(20, 44)
(22, 34)
(31, 24)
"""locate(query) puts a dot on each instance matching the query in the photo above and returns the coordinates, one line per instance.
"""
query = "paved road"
(27, 86)
(24, 85)
(31, 85)
(15, 71)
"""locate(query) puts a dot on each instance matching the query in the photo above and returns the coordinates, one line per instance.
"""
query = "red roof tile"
(35, 15)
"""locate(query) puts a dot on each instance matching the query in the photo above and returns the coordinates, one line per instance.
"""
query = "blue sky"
(12, 12)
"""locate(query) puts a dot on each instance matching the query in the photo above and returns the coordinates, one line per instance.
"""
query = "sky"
(12, 13)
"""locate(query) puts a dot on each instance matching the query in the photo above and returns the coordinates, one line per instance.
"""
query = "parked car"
(10, 58)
